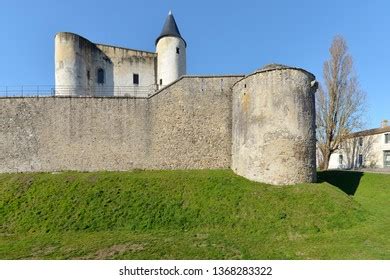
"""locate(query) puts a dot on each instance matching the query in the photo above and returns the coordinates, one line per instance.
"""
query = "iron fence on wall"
(77, 91)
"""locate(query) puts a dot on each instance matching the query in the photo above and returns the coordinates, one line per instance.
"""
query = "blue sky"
(223, 37)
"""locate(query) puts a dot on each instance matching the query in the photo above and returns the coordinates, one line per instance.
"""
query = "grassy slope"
(190, 215)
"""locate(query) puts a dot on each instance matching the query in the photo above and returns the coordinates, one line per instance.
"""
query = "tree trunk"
(326, 156)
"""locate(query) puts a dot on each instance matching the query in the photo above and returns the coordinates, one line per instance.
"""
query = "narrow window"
(88, 75)
(135, 79)
(360, 160)
(360, 141)
(100, 76)
(340, 159)
(386, 157)
(387, 138)
(160, 82)
(177, 50)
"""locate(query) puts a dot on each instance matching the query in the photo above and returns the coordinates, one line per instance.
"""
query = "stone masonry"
(261, 126)
(186, 125)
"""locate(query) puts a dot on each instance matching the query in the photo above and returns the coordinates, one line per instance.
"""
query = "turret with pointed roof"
(171, 53)
(170, 29)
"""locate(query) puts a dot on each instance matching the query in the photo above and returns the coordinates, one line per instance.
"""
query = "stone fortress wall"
(261, 125)
(192, 121)
(185, 125)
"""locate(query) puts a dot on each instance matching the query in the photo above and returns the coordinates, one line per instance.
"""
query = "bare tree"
(339, 103)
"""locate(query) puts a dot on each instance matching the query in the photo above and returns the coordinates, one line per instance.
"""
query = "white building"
(83, 68)
(364, 149)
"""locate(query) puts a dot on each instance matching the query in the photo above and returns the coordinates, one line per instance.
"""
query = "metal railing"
(78, 91)
(26, 90)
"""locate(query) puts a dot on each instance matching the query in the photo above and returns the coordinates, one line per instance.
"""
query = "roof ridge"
(371, 131)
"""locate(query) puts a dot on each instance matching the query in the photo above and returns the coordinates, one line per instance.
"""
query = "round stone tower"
(273, 130)
(171, 53)
(68, 66)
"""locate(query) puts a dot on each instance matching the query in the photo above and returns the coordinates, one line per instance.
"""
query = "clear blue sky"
(223, 37)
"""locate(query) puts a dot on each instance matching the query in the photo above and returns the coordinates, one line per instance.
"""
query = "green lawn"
(203, 214)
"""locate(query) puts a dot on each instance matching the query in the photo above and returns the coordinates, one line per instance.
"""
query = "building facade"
(364, 149)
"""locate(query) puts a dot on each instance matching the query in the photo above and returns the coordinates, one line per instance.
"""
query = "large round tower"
(171, 53)
(273, 126)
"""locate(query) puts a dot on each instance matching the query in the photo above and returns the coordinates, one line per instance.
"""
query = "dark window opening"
(135, 79)
(160, 82)
(387, 138)
(340, 159)
(88, 75)
(100, 76)
(360, 160)
(360, 141)
(177, 50)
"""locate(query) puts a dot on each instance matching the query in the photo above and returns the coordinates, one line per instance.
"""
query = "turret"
(171, 53)
(68, 68)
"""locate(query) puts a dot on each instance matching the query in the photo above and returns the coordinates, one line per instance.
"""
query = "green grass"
(203, 214)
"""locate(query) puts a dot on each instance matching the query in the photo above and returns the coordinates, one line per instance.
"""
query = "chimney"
(384, 123)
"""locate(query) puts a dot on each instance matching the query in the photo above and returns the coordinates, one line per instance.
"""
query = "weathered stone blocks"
(273, 134)
(261, 125)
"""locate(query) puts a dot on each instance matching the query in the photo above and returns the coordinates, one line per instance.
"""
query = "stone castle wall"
(186, 125)
(191, 122)
(262, 126)
(67, 133)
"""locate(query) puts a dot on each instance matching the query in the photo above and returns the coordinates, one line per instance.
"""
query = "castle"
(85, 68)
(122, 109)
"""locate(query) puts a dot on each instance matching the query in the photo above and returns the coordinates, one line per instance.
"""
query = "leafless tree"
(340, 103)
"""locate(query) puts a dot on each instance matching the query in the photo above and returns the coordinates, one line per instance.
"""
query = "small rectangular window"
(386, 157)
(387, 138)
(340, 159)
(135, 79)
(100, 76)
(160, 82)
(360, 141)
(88, 75)
(177, 50)
(360, 160)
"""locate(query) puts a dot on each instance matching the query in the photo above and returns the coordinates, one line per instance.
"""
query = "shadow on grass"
(347, 181)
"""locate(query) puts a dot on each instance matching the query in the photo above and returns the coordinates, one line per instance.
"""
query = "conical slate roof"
(170, 29)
